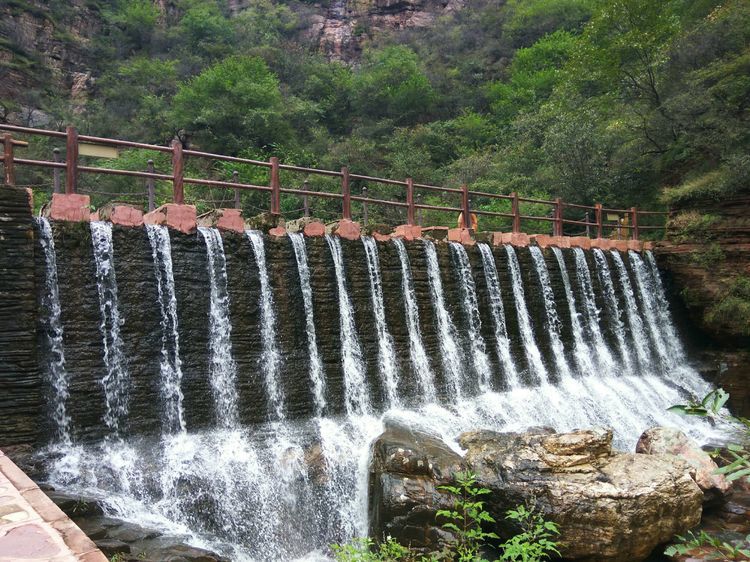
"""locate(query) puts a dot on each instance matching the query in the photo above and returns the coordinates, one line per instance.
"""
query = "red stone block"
(519, 239)
(602, 243)
(178, 217)
(582, 242)
(277, 232)
(314, 229)
(408, 232)
(347, 229)
(635, 245)
(70, 207)
(435, 232)
(497, 239)
(381, 237)
(125, 215)
(230, 220)
(543, 240)
(461, 235)
(621, 245)
(94, 217)
(648, 246)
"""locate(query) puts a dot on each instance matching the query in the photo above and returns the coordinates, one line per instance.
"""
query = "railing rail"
(627, 219)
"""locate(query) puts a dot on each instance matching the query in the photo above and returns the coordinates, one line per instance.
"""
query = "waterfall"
(498, 316)
(638, 338)
(667, 326)
(317, 376)
(470, 306)
(116, 381)
(416, 348)
(550, 309)
(533, 355)
(222, 368)
(352, 364)
(270, 359)
(57, 373)
(447, 333)
(170, 365)
(582, 351)
(646, 290)
(603, 356)
(386, 350)
(613, 308)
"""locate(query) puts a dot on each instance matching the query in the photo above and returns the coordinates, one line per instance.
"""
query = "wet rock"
(609, 506)
(406, 470)
(113, 547)
(670, 441)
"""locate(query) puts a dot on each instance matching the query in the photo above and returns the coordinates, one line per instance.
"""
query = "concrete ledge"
(72, 207)
(178, 217)
(32, 527)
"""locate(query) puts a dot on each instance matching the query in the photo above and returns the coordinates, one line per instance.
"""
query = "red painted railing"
(73, 168)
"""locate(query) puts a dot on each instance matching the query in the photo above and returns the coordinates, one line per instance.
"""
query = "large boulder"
(407, 467)
(609, 506)
(671, 441)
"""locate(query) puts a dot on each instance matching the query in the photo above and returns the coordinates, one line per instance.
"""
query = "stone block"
(602, 243)
(277, 232)
(315, 229)
(519, 239)
(435, 232)
(179, 217)
(583, 242)
(381, 237)
(230, 220)
(635, 245)
(347, 229)
(543, 240)
(408, 232)
(620, 245)
(70, 207)
(497, 239)
(648, 246)
(121, 214)
(461, 235)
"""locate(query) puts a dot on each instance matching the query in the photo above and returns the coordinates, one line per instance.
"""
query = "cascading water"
(386, 351)
(286, 488)
(447, 333)
(357, 397)
(57, 374)
(550, 309)
(317, 376)
(222, 370)
(116, 381)
(471, 310)
(418, 354)
(170, 364)
(533, 355)
(270, 360)
(613, 312)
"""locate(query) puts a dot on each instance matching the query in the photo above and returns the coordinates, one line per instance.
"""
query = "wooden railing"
(73, 141)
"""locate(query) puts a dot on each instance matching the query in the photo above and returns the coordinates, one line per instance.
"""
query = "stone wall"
(20, 384)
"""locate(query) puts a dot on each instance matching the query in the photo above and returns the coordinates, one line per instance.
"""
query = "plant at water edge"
(467, 516)
(534, 543)
(365, 550)
(722, 550)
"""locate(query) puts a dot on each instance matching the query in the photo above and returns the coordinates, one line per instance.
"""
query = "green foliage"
(722, 550)
(466, 518)
(535, 543)
(365, 550)
(734, 307)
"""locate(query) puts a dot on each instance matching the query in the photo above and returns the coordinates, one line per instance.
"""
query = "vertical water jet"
(613, 312)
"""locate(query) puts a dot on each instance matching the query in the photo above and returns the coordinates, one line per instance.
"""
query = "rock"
(347, 229)
(377, 228)
(609, 507)
(301, 225)
(264, 222)
(407, 467)
(112, 547)
(670, 441)
(224, 219)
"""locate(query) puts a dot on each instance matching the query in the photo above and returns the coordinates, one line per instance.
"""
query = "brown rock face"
(670, 441)
(609, 507)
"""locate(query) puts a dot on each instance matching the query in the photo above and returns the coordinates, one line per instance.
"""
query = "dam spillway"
(226, 387)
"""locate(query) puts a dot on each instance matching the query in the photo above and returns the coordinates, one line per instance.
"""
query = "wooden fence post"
(275, 187)
(599, 225)
(151, 187)
(71, 159)
(634, 223)
(558, 224)
(410, 219)
(515, 204)
(364, 206)
(10, 174)
(236, 179)
(346, 202)
(465, 207)
(305, 200)
(178, 173)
